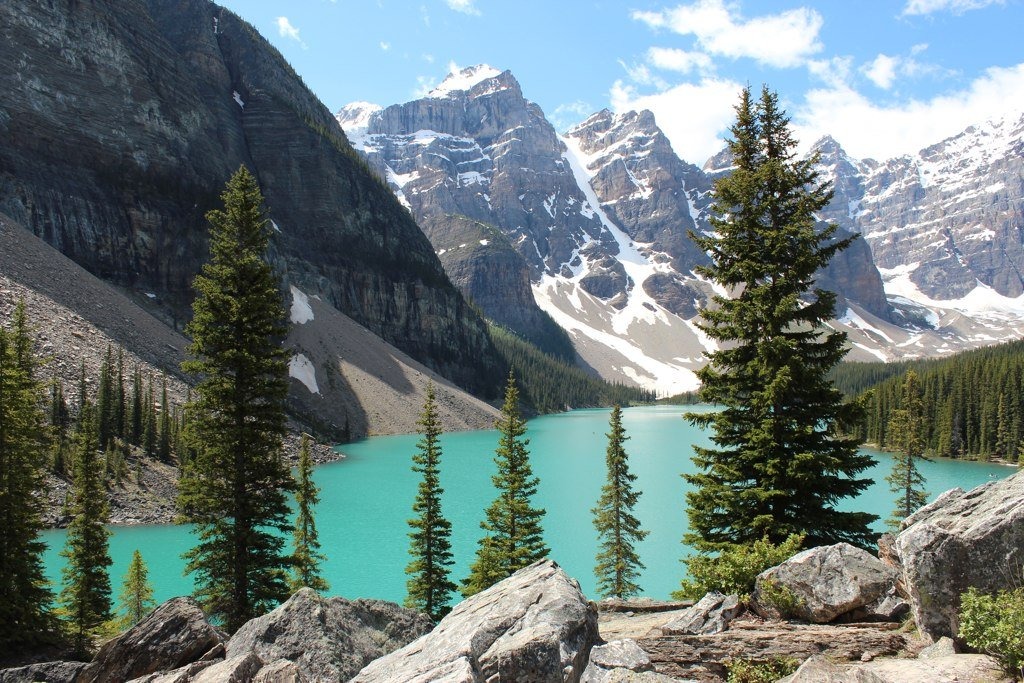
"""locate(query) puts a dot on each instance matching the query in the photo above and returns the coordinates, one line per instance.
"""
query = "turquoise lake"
(367, 497)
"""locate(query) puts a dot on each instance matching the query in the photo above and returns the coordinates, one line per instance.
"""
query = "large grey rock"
(534, 626)
(52, 672)
(328, 638)
(622, 654)
(962, 539)
(239, 669)
(947, 669)
(175, 634)
(828, 581)
(280, 671)
(711, 614)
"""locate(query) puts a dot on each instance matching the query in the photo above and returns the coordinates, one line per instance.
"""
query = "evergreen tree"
(514, 536)
(136, 415)
(136, 596)
(164, 440)
(24, 593)
(85, 597)
(906, 480)
(618, 565)
(117, 420)
(235, 488)
(149, 422)
(306, 558)
(429, 586)
(105, 402)
(779, 464)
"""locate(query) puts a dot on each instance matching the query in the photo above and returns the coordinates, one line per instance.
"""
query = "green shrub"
(994, 624)
(734, 569)
(781, 598)
(747, 671)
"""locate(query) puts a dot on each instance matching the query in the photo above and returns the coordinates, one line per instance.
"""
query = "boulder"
(53, 672)
(946, 669)
(711, 614)
(280, 671)
(623, 655)
(240, 669)
(175, 634)
(534, 626)
(962, 539)
(328, 638)
(827, 582)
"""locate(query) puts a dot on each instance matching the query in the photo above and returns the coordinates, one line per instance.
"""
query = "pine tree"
(235, 488)
(136, 414)
(779, 464)
(514, 536)
(24, 593)
(306, 557)
(149, 422)
(429, 586)
(618, 565)
(907, 425)
(164, 440)
(105, 402)
(85, 597)
(136, 598)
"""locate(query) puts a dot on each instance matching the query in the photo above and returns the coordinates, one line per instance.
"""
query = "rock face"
(947, 669)
(711, 614)
(175, 634)
(52, 672)
(534, 626)
(827, 581)
(962, 539)
(328, 638)
(122, 121)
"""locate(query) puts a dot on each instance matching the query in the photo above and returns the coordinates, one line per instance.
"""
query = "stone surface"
(534, 626)
(945, 669)
(943, 647)
(962, 539)
(703, 657)
(828, 581)
(52, 672)
(175, 634)
(239, 669)
(711, 614)
(329, 638)
(280, 671)
(622, 655)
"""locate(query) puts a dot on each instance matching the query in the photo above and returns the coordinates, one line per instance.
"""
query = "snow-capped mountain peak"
(466, 79)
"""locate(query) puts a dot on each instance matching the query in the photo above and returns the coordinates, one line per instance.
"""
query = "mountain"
(120, 123)
(594, 222)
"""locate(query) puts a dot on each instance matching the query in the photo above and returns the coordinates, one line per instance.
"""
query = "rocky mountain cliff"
(594, 222)
(121, 121)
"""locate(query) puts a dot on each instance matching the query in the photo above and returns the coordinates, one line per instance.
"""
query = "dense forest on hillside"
(973, 401)
(549, 384)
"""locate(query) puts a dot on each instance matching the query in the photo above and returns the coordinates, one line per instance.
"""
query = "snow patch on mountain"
(464, 80)
(301, 368)
(301, 312)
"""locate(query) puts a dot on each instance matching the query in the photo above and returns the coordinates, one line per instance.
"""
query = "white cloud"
(641, 75)
(695, 116)
(866, 129)
(464, 6)
(674, 59)
(918, 7)
(286, 30)
(570, 113)
(834, 71)
(385, 45)
(781, 40)
(882, 71)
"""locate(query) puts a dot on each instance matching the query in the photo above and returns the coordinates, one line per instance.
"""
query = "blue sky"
(883, 77)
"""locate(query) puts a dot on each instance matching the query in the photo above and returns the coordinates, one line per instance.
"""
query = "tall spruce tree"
(906, 427)
(25, 620)
(136, 598)
(235, 488)
(429, 588)
(618, 565)
(85, 596)
(779, 464)
(163, 449)
(306, 555)
(514, 536)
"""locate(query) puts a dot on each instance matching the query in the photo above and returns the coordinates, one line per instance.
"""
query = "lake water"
(367, 498)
